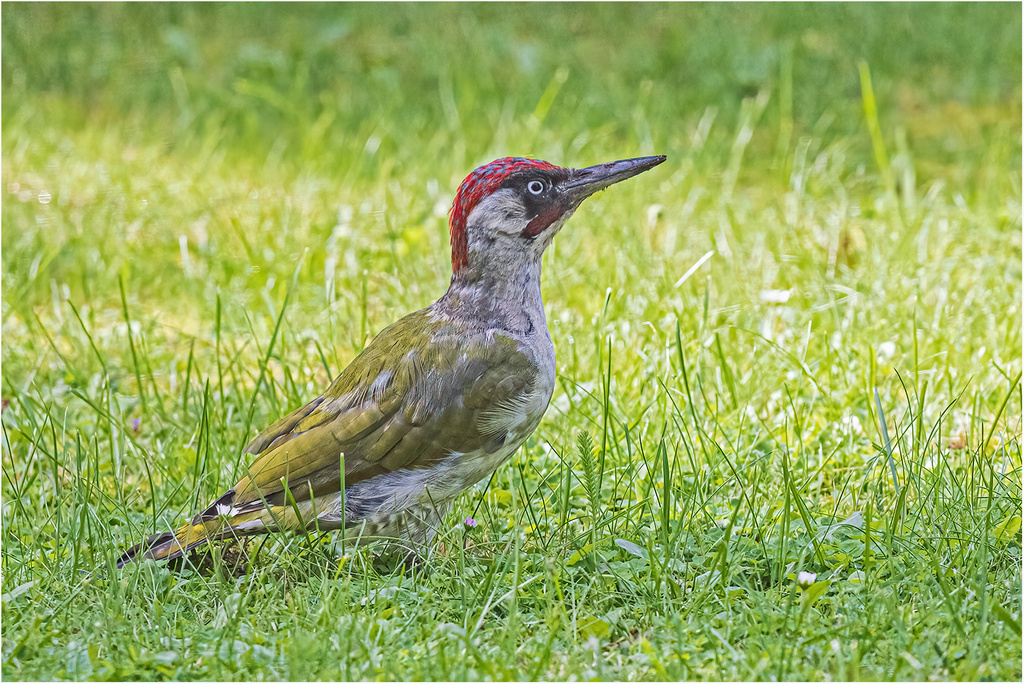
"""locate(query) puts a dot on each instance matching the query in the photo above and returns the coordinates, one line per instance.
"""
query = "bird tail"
(220, 521)
(168, 545)
(225, 519)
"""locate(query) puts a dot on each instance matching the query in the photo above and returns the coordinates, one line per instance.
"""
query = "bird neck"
(505, 295)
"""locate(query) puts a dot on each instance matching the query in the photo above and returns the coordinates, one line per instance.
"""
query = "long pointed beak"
(583, 183)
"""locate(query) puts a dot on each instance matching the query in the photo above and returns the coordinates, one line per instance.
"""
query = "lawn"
(785, 441)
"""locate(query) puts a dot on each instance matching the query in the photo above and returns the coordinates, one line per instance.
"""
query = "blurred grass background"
(359, 92)
(299, 95)
(834, 245)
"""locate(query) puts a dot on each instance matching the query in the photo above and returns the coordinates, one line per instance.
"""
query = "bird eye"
(535, 187)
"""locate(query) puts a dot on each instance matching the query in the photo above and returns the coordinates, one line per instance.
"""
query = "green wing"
(415, 395)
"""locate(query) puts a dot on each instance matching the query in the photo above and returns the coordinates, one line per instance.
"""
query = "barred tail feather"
(223, 519)
(219, 521)
(167, 545)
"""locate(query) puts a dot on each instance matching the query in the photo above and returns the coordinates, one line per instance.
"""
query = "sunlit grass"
(786, 436)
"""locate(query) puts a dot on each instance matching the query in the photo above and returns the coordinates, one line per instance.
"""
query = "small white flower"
(806, 579)
(653, 214)
(852, 424)
(775, 296)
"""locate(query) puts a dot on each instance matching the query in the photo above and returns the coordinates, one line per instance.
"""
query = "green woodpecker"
(437, 401)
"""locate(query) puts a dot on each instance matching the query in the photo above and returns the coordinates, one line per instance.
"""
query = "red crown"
(482, 182)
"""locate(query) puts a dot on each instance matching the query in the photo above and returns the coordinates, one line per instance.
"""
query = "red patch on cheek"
(542, 221)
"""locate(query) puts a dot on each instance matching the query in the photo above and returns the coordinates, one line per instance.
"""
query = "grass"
(786, 437)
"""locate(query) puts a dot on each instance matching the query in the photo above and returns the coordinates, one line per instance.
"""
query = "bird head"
(510, 209)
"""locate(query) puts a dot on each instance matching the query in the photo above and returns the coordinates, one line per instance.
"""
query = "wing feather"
(396, 406)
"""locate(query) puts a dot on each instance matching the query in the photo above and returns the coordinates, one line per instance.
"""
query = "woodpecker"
(437, 401)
